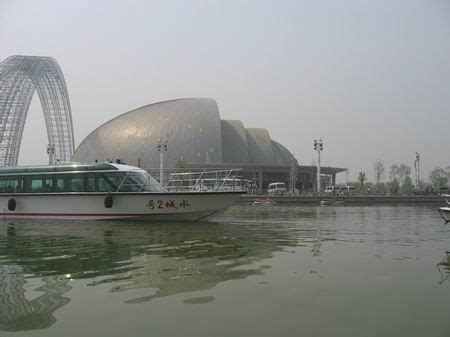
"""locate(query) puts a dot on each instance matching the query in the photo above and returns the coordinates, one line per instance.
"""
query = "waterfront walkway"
(349, 199)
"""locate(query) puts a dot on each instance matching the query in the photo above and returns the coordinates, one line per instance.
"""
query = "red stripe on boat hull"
(82, 214)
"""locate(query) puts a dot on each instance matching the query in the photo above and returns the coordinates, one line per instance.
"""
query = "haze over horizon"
(371, 78)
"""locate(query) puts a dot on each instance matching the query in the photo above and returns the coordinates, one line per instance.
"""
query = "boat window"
(105, 185)
(136, 181)
(47, 183)
(91, 185)
(61, 184)
(68, 183)
(132, 182)
(81, 182)
(38, 183)
(110, 181)
(11, 184)
(85, 182)
(151, 185)
(77, 183)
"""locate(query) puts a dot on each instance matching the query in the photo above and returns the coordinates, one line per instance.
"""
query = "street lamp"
(318, 146)
(162, 147)
(293, 174)
(51, 154)
(417, 170)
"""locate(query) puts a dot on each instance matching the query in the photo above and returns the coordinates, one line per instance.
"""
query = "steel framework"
(20, 76)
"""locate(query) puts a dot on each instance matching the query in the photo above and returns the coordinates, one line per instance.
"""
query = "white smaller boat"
(444, 211)
(331, 202)
(265, 202)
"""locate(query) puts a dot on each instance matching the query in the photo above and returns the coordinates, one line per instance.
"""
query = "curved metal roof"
(234, 142)
(281, 155)
(191, 127)
(194, 134)
(260, 146)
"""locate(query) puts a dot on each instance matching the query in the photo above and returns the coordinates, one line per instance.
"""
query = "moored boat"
(331, 202)
(265, 202)
(444, 211)
(101, 191)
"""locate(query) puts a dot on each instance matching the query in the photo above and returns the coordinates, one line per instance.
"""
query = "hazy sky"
(372, 78)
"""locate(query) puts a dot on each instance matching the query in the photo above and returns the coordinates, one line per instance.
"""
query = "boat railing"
(446, 198)
(214, 180)
(204, 180)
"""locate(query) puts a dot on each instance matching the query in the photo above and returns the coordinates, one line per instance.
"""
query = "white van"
(348, 189)
(333, 189)
(277, 188)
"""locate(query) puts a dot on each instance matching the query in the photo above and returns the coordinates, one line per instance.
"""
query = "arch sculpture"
(20, 76)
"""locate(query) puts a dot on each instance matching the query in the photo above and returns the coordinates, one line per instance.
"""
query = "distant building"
(196, 138)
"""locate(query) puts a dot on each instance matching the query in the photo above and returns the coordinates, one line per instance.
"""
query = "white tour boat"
(445, 210)
(101, 191)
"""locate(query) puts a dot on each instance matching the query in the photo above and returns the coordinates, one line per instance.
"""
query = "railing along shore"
(348, 199)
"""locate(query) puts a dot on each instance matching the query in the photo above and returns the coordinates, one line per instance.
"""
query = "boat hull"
(445, 213)
(186, 206)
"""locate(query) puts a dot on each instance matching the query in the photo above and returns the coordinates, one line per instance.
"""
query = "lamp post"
(417, 169)
(293, 175)
(162, 147)
(51, 154)
(318, 146)
(415, 174)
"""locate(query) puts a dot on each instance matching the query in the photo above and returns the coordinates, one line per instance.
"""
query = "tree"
(403, 172)
(394, 185)
(361, 179)
(369, 187)
(394, 172)
(438, 179)
(405, 181)
(379, 169)
(407, 186)
(400, 179)
(381, 188)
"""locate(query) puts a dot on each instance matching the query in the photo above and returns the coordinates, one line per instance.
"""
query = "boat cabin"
(77, 178)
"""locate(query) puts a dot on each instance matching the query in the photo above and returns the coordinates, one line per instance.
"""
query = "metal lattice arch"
(20, 76)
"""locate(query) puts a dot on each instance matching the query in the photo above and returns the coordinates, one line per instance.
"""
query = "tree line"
(400, 181)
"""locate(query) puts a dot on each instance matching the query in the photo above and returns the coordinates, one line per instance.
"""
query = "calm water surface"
(255, 271)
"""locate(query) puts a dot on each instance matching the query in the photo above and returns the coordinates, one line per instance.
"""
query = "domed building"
(196, 137)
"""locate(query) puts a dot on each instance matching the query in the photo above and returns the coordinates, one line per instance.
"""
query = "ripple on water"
(199, 300)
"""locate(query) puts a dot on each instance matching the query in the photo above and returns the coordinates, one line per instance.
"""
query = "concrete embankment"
(353, 199)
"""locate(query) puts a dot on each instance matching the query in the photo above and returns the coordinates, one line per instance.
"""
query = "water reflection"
(19, 313)
(168, 258)
(354, 244)
(444, 268)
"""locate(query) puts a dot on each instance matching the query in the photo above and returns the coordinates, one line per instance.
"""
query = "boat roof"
(61, 168)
